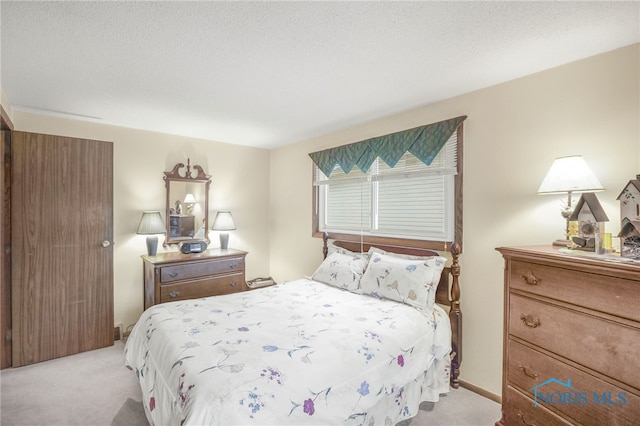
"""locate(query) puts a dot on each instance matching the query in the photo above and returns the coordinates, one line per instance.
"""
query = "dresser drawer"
(198, 269)
(605, 346)
(592, 401)
(605, 293)
(202, 288)
(519, 410)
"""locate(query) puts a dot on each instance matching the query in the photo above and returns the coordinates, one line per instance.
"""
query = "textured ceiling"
(267, 74)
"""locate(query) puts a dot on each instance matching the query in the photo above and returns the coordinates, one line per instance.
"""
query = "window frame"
(404, 242)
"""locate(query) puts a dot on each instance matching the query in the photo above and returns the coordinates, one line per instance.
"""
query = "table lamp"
(224, 222)
(568, 175)
(151, 224)
(189, 200)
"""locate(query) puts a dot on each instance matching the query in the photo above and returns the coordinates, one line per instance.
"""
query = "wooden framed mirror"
(187, 205)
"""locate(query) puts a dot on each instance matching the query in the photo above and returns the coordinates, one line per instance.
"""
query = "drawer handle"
(233, 266)
(173, 274)
(174, 294)
(232, 284)
(527, 372)
(524, 421)
(529, 321)
(531, 279)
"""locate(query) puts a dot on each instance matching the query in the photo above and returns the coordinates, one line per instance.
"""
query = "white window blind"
(410, 200)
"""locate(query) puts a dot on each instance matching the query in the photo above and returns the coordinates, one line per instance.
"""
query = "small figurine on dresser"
(591, 219)
(630, 220)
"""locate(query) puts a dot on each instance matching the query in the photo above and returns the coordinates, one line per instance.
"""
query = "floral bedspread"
(296, 353)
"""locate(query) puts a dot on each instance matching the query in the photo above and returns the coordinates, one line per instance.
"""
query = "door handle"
(529, 321)
(524, 421)
(531, 279)
(528, 371)
(106, 244)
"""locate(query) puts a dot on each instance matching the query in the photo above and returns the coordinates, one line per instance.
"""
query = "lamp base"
(224, 241)
(561, 243)
(152, 245)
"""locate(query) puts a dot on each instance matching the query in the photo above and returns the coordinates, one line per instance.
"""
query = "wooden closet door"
(62, 251)
(5, 257)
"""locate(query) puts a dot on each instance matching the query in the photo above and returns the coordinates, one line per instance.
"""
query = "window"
(411, 201)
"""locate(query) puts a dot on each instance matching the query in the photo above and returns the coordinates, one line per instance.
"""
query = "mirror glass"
(187, 206)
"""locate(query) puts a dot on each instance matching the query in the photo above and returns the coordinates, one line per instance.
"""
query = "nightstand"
(176, 276)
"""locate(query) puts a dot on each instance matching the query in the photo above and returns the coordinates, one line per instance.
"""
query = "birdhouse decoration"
(591, 220)
(630, 219)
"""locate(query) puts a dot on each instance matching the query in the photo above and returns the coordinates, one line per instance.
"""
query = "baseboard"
(473, 388)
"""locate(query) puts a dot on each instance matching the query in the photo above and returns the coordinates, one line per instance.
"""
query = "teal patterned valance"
(423, 142)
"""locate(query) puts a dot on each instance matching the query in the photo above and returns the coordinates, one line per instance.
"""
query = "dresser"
(175, 276)
(571, 339)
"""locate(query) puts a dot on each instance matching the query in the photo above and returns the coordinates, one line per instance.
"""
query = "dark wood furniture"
(571, 339)
(447, 293)
(175, 276)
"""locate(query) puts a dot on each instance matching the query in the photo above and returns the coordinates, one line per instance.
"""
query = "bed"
(350, 345)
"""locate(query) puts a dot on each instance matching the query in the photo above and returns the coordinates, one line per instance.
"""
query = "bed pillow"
(341, 270)
(431, 298)
(399, 255)
(410, 281)
(332, 248)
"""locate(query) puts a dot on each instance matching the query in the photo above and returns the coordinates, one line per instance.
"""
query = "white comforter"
(296, 353)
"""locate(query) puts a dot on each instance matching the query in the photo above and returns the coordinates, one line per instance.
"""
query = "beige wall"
(4, 101)
(240, 183)
(512, 134)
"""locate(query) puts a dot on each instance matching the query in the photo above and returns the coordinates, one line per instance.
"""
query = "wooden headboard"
(447, 293)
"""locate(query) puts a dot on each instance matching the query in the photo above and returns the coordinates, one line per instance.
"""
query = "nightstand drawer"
(198, 269)
(584, 337)
(520, 411)
(604, 292)
(202, 288)
(591, 399)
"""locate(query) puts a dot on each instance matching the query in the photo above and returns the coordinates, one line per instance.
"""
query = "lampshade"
(189, 198)
(151, 223)
(223, 222)
(569, 174)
